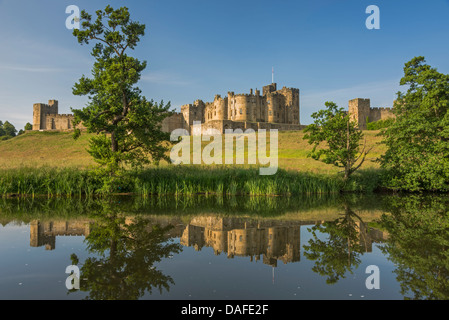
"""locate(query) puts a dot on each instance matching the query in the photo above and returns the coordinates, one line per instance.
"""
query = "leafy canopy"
(7, 130)
(417, 156)
(336, 139)
(128, 126)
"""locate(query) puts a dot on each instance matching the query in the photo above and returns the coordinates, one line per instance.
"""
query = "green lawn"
(59, 150)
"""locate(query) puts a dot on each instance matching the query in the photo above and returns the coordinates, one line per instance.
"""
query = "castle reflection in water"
(274, 240)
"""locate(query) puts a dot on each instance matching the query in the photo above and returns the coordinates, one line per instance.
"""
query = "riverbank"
(52, 163)
(180, 180)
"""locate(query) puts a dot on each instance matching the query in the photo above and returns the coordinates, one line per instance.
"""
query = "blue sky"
(198, 48)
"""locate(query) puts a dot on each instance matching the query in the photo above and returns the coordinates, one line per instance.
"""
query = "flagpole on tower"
(272, 74)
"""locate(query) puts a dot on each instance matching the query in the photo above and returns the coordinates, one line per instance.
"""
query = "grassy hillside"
(60, 150)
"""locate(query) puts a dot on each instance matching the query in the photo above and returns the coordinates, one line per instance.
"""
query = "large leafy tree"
(128, 126)
(336, 139)
(417, 155)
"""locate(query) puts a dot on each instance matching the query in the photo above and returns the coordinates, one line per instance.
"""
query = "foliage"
(341, 137)
(380, 124)
(339, 252)
(127, 124)
(417, 156)
(418, 245)
(163, 181)
(125, 256)
(7, 130)
(28, 126)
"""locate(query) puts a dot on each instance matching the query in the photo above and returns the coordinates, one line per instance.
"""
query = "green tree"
(9, 129)
(128, 126)
(336, 139)
(417, 156)
(28, 126)
(2, 131)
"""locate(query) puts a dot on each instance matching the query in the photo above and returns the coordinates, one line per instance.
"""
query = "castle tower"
(40, 112)
(53, 106)
(359, 110)
(268, 89)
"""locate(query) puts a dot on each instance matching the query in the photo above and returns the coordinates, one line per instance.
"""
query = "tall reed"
(177, 180)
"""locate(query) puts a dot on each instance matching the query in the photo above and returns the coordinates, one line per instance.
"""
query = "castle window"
(215, 113)
(270, 113)
(241, 111)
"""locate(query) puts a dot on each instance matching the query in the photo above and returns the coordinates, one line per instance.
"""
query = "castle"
(273, 109)
(46, 117)
(360, 110)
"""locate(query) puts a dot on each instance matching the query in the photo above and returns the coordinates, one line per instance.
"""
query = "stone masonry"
(273, 109)
(361, 111)
(46, 117)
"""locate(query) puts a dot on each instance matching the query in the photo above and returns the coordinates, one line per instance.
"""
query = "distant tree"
(2, 131)
(417, 156)
(128, 126)
(21, 131)
(9, 129)
(28, 126)
(336, 139)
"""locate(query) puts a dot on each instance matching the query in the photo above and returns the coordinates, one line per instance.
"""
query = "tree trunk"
(114, 142)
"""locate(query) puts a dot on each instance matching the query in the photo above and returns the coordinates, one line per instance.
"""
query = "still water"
(277, 248)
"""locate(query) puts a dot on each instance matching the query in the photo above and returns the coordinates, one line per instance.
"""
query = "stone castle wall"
(46, 117)
(275, 109)
(360, 110)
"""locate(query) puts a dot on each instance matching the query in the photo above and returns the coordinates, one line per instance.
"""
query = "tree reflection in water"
(339, 251)
(126, 252)
(418, 245)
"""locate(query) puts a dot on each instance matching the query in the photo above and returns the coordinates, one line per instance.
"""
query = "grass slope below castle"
(40, 155)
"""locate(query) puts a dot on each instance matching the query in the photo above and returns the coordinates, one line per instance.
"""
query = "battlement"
(360, 99)
(382, 109)
(56, 115)
(248, 95)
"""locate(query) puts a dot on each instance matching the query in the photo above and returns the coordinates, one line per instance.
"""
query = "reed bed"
(177, 180)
